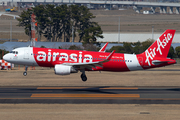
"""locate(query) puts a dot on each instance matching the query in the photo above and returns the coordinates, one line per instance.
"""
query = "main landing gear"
(83, 76)
(25, 73)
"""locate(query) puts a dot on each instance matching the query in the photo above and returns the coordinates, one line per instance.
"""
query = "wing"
(103, 49)
(90, 65)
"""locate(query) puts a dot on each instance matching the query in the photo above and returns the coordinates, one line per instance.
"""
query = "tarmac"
(152, 94)
(90, 95)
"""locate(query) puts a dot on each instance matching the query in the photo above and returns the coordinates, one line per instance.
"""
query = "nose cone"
(5, 57)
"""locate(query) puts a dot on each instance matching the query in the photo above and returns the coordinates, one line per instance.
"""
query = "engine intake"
(64, 69)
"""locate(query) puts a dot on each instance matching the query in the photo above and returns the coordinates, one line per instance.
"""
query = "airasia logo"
(160, 45)
(73, 57)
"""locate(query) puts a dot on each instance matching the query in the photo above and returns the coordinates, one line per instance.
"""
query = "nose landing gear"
(25, 73)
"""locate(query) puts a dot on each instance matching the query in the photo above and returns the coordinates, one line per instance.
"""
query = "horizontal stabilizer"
(158, 62)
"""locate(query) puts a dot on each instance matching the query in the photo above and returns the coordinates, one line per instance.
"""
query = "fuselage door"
(26, 54)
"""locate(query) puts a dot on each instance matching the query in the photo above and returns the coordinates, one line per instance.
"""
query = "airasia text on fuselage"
(51, 56)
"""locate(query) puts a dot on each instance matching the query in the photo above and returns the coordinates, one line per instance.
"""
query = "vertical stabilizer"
(160, 48)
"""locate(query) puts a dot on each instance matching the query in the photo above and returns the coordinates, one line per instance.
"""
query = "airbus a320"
(66, 62)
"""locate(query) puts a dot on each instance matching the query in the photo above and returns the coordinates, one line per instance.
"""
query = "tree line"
(136, 47)
(140, 47)
(60, 23)
(2, 53)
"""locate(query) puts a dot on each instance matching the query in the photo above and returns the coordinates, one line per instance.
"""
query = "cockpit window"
(14, 52)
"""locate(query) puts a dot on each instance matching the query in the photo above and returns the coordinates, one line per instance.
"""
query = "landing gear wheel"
(24, 73)
(83, 77)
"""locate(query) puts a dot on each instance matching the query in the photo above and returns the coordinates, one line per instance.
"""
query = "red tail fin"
(160, 48)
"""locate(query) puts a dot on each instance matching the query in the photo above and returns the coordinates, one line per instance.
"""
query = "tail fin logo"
(164, 42)
(160, 45)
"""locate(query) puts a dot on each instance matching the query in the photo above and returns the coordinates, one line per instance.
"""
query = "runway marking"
(125, 88)
(128, 88)
(88, 95)
(61, 87)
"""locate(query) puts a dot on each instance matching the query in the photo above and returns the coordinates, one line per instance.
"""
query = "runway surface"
(97, 95)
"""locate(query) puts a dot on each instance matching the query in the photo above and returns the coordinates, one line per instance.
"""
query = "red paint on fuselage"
(49, 59)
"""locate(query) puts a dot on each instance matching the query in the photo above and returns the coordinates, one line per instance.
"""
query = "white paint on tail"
(132, 62)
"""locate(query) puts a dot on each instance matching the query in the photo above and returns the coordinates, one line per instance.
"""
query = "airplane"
(66, 62)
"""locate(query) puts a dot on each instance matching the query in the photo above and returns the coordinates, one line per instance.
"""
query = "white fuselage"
(21, 56)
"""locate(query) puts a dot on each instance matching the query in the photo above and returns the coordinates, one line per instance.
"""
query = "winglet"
(103, 49)
(109, 57)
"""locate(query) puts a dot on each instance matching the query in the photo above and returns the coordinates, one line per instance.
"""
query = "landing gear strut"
(83, 76)
(25, 73)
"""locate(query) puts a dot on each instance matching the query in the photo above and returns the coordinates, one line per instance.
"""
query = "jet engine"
(64, 69)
